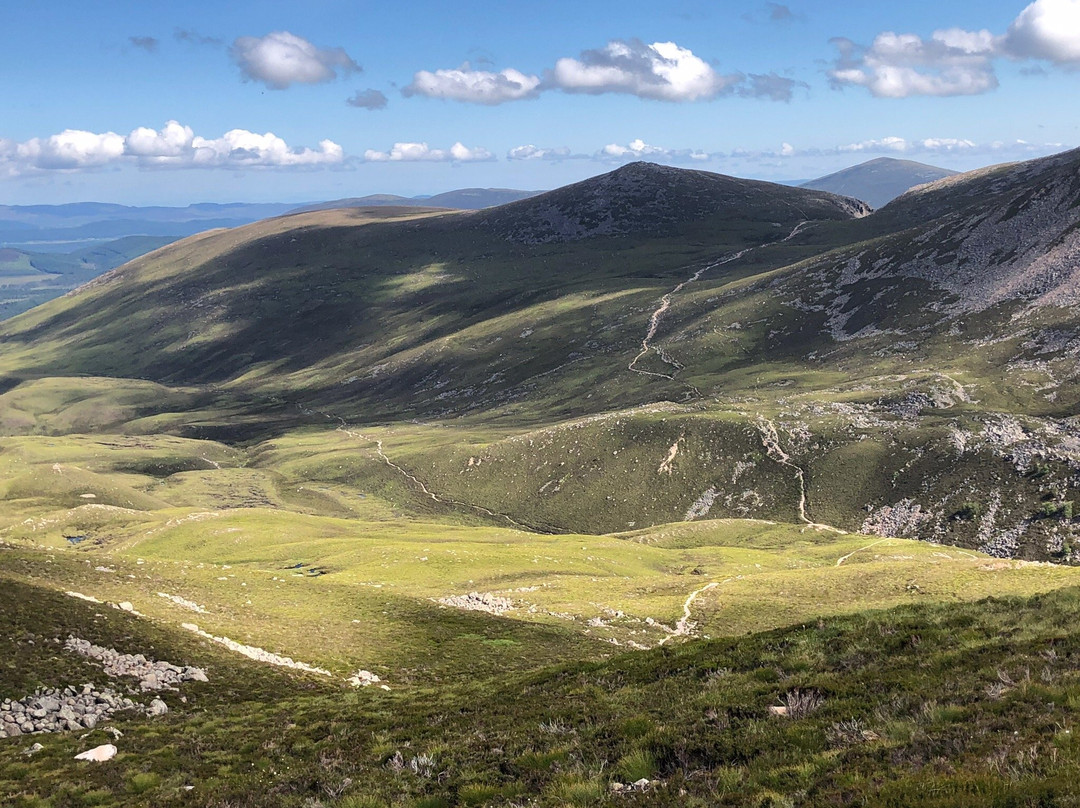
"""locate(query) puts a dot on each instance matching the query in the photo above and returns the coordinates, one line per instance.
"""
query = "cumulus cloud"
(638, 149)
(281, 59)
(474, 86)
(951, 62)
(1047, 30)
(662, 71)
(421, 152)
(160, 146)
(531, 152)
(147, 43)
(172, 146)
(367, 99)
(239, 148)
(71, 149)
(956, 61)
(929, 146)
(904, 146)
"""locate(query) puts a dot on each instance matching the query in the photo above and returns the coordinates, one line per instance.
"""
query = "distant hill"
(649, 198)
(50, 228)
(464, 199)
(879, 181)
(62, 228)
(28, 279)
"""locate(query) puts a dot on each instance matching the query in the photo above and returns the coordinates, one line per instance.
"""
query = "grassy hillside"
(593, 491)
(903, 400)
(920, 706)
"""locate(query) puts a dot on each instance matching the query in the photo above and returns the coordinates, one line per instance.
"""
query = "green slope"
(907, 373)
(920, 706)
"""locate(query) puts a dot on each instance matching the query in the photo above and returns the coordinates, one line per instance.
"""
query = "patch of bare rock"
(152, 675)
(479, 602)
(78, 707)
(61, 709)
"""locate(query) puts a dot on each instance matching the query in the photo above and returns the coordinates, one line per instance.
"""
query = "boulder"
(157, 707)
(98, 754)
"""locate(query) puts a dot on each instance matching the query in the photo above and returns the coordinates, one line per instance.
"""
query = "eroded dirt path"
(345, 428)
(770, 439)
(842, 559)
(682, 627)
(647, 345)
(657, 316)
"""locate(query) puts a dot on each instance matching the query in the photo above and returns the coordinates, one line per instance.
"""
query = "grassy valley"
(741, 493)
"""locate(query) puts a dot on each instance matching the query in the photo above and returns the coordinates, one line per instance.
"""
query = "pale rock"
(98, 754)
(158, 707)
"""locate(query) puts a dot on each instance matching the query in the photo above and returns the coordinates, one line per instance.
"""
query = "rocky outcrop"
(152, 675)
(479, 602)
(258, 654)
(86, 706)
(62, 709)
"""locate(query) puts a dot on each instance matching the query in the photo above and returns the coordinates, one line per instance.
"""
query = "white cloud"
(634, 149)
(1047, 29)
(638, 149)
(905, 147)
(421, 152)
(902, 145)
(951, 62)
(956, 61)
(72, 149)
(531, 152)
(662, 71)
(281, 59)
(159, 146)
(240, 148)
(172, 146)
(474, 86)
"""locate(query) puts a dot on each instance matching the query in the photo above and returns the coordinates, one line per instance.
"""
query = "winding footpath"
(842, 559)
(682, 628)
(771, 441)
(345, 428)
(647, 345)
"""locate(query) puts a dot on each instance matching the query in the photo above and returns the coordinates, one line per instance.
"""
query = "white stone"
(98, 754)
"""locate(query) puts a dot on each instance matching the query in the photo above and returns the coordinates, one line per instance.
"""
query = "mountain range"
(843, 328)
(63, 246)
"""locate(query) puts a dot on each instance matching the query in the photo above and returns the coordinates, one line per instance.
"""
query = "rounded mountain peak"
(653, 199)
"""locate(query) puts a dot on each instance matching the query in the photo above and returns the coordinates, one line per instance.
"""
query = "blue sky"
(512, 95)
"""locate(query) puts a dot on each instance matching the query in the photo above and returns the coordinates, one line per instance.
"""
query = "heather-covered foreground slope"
(919, 706)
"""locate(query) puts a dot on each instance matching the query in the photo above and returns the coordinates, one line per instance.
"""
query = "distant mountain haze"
(464, 199)
(879, 181)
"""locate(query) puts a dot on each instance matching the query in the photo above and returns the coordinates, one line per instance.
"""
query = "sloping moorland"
(589, 481)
